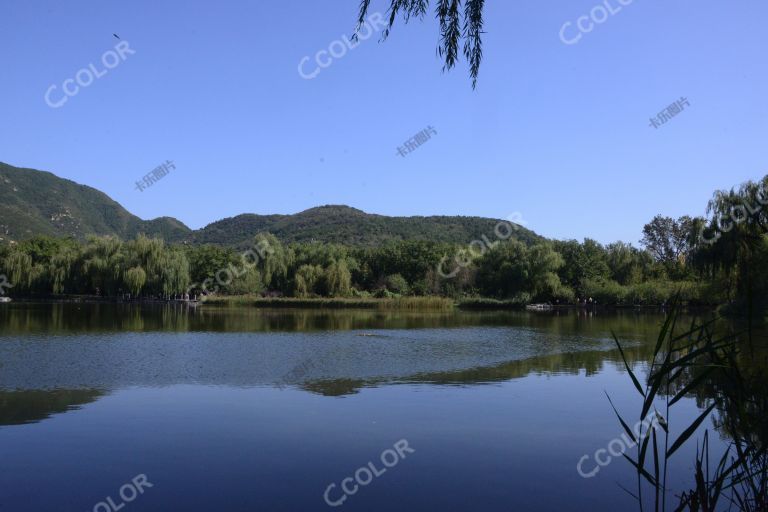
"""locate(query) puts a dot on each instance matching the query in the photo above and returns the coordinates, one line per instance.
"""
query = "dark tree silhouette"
(455, 26)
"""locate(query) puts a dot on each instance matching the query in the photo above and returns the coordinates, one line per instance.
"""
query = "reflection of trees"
(743, 400)
(556, 364)
(723, 371)
(19, 318)
(337, 387)
(20, 407)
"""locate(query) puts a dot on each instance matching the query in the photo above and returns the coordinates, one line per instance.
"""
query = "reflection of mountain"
(20, 407)
(109, 346)
(333, 362)
(591, 362)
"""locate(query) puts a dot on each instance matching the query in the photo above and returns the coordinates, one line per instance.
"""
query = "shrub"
(605, 291)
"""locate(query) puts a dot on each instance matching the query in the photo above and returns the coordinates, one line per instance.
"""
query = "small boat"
(5, 299)
(538, 307)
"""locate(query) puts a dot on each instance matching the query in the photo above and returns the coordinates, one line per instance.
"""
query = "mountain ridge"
(34, 202)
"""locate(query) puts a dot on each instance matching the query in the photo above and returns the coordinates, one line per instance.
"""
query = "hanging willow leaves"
(455, 26)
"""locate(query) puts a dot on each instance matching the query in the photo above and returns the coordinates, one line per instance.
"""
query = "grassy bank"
(481, 303)
(407, 303)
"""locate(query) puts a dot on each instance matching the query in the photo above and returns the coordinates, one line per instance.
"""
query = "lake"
(166, 407)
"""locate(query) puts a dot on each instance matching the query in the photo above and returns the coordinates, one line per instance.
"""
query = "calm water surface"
(242, 409)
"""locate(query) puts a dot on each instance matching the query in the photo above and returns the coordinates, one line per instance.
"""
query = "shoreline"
(401, 303)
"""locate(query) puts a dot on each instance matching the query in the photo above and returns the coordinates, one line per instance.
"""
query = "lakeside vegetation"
(400, 303)
(718, 367)
(732, 268)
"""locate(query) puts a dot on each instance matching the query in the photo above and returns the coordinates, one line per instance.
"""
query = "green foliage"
(307, 280)
(397, 284)
(457, 24)
(135, 278)
(683, 362)
(338, 224)
(101, 266)
(338, 251)
(34, 203)
(338, 279)
(511, 268)
(479, 303)
(412, 303)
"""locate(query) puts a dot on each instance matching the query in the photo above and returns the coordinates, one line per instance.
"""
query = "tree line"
(717, 260)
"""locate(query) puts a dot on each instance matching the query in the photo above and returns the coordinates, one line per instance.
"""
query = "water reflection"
(24, 319)
(56, 357)
(22, 407)
(269, 406)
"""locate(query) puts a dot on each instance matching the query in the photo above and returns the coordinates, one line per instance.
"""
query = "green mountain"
(346, 225)
(39, 203)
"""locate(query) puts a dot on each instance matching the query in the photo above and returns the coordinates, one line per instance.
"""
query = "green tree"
(307, 279)
(134, 279)
(338, 279)
(512, 270)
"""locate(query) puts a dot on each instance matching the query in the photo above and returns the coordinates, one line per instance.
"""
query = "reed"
(684, 363)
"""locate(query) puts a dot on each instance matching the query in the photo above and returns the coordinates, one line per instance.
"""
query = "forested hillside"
(39, 203)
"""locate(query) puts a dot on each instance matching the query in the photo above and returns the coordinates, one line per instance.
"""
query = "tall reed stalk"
(684, 363)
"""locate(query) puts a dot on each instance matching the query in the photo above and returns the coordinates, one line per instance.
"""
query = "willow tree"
(60, 268)
(102, 263)
(148, 254)
(307, 280)
(135, 278)
(18, 265)
(461, 21)
(272, 259)
(174, 271)
(338, 279)
(734, 238)
(513, 270)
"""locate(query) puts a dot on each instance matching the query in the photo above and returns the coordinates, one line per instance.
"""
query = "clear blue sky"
(557, 132)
